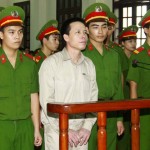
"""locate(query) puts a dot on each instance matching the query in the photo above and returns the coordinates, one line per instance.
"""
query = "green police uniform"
(49, 28)
(108, 73)
(16, 86)
(140, 74)
(124, 140)
(116, 47)
(39, 58)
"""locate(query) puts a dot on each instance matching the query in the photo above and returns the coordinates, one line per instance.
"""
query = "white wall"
(41, 11)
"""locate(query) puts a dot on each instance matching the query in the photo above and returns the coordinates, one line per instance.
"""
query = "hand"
(84, 135)
(120, 128)
(73, 138)
(37, 139)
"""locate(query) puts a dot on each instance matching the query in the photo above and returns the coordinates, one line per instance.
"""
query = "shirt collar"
(67, 57)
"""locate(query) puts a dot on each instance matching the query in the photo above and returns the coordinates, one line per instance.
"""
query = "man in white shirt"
(68, 77)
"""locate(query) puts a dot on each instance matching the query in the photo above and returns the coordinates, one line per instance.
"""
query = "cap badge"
(14, 13)
(98, 9)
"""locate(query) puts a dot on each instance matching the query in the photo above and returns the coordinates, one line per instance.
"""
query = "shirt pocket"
(4, 92)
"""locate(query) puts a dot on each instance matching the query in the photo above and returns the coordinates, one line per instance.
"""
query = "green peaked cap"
(128, 32)
(112, 18)
(145, 19)
(11, 14)
(96, 11)
(48, 28)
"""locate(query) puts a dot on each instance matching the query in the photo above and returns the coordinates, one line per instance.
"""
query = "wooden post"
(63, 131)
(101, 121)
(135, 130)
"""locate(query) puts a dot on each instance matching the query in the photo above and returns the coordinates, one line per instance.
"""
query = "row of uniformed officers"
(121, 72)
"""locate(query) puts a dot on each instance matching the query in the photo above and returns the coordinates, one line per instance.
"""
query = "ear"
(66, 37)
(44, 40)
(146, 30)
(122, 43)
(87, 30)
(1, 35)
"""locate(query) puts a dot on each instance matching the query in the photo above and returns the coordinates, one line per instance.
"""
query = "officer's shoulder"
(28, 56)
(138, 50)
(37, 58)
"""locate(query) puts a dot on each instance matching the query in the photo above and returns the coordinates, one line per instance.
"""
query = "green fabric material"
(108, 76)
(16, 86)
(119, 50)
(16, 135)
(12, 11)
(140, 75)
(42, 55)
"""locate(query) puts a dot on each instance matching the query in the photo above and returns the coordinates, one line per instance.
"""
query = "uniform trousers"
(16, 135)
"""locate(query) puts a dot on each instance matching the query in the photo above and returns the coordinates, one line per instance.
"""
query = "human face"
(111, 29)
(77, 37)
(11, 37)
(147, 31)
(52, 42)
(129, 45)
(98, 31)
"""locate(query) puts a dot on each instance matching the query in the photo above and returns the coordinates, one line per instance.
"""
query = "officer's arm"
(133, 90)
(35, 110)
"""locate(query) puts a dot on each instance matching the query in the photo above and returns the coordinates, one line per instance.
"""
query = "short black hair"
(146, 25)
(65, 28)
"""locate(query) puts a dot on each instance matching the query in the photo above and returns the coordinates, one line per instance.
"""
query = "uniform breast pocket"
(4, 92)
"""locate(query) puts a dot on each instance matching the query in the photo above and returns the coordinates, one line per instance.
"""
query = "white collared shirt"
(65, 82)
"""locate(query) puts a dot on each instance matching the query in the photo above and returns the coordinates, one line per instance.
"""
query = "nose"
(17, 35)
(84, 35)
(100, 30)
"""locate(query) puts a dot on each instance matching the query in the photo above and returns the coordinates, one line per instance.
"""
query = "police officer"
(127, 38)
(138, 76)
(108, 70)
(19, 103)
(49, 38)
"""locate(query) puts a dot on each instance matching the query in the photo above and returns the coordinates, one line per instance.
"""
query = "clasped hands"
(78, 137)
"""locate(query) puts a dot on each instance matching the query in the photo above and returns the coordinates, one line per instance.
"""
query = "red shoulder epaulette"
(28, 55)
(138, 50)
(37, 58)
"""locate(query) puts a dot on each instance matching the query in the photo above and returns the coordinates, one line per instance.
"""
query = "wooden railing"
(101, 108)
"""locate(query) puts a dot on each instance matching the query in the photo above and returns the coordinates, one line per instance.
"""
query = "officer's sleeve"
(133, 73)
(46, 85)
(119, 93)
(91, 117)
(34, 80)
